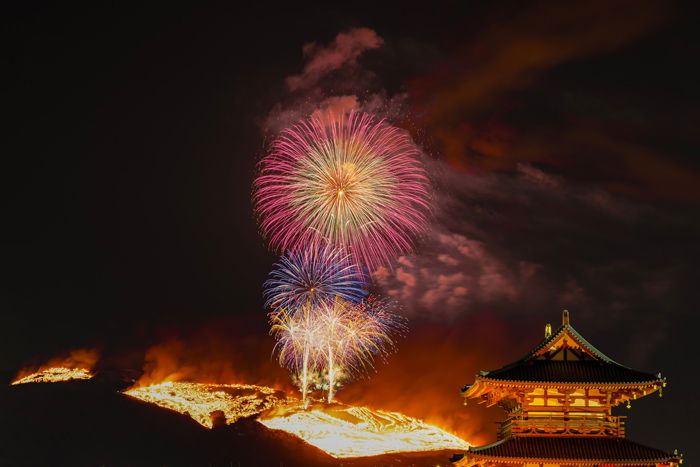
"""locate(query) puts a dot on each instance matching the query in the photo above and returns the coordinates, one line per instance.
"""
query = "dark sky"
(562, 141)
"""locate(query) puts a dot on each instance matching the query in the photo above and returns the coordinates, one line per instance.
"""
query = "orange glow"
(77, 364)
(456, 353)
(390, 411)
(425, 384)
(339, 430)
(55, 375)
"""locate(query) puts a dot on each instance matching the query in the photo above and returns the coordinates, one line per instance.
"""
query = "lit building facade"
(559, 400)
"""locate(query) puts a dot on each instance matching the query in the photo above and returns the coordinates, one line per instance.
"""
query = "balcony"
(561, 425)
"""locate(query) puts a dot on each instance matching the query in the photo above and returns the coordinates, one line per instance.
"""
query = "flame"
(345, 431)
(77, 364)
(446, 356)
(391, 411)
(339, 430)
(200, 401)
(55, 375)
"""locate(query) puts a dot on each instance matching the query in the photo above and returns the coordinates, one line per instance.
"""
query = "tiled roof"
(568, 329)
(569, 448)
(596, 368)
(570, 371)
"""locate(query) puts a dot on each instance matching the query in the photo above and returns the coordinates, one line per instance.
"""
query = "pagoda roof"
(550, 449)
(590, 372)
(585, 364)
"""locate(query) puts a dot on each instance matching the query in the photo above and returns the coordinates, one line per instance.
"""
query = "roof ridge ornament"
(547, 331)
(565, 318)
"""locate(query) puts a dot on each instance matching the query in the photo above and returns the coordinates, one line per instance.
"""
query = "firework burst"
(352, 181)
(380, 321)
(339, 338)
(316, 274)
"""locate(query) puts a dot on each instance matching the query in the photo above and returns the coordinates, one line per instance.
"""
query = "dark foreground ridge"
(86, 423)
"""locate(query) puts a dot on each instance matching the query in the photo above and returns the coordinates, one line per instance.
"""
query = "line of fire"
(559, 399)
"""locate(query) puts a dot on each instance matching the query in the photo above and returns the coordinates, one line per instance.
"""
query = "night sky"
(562, 142)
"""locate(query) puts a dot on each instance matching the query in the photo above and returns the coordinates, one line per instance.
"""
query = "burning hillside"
(201, 401)
(77, 364)
(374, 421)
(340, 430)
(345, 431)
(55, 375)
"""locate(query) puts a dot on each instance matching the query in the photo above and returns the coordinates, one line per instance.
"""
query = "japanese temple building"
(558, 400)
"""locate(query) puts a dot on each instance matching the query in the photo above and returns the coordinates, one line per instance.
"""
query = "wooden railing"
(523, 425)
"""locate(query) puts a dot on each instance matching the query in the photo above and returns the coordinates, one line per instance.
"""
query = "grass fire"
(200, 401)
(340, 430)
(346, 431)
(54, 375)
(77, 364)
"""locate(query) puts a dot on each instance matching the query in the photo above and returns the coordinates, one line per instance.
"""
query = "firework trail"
(352, 335)
(352, 181)
(316, 274)
(299, 337)
(366, 334)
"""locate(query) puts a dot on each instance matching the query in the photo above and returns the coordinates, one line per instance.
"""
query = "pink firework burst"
(352, 181)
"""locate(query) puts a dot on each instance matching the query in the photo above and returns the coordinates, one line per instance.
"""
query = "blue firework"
(317, 274)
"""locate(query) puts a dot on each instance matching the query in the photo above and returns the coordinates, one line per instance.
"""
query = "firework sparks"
(316, 274)
(354, 334)
(340, 337)
(299, 337)
(377, 322)
(352, 181)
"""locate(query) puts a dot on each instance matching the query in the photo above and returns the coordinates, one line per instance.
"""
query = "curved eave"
(483, 385)
(620, 384)
(567, 451)
(520, 460)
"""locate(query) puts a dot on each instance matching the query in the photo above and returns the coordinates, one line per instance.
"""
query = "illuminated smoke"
(343, 51)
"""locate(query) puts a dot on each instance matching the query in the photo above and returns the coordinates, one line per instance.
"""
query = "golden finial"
(565, 318)
(629, 404)
(547, 330)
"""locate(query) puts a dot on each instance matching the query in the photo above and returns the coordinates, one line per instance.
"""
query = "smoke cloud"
(528, 219)
(333, 82)
(525, 88)
(342, 52)
(513, 53)
(522, 242)
(505, 230)
(215, 352)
